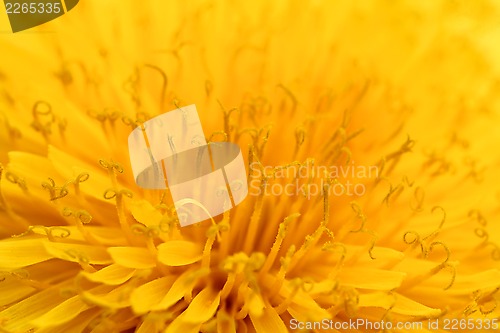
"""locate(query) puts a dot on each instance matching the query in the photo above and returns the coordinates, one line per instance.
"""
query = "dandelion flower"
(390, 108)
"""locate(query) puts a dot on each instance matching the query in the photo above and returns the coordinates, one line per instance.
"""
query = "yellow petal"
(59, 232)
(179, 326)
(68, 166)
(400, 304)
(78, 253)
(111, 275)
(78, 324)
(376, 299)
(115, 299)
(305, 308)
(469, 283)
(225, 322)
(21, 314)
(179, 253)
(202, 307)
(385, 257)
(322, 287)
(108, 236)
(182, 286)
(407, 306)
(147, 326)
(366, 278)
(268, 322)
(145, 297)
(132, 257)
(255, 302)
(62, 313)
(104, 235)
(12, 290)
(16, 253)
(144, 212)
(200, 310)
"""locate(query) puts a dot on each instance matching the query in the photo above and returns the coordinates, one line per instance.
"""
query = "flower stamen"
(14, 179)
(416, 203)
(55, 192)
(282, 231)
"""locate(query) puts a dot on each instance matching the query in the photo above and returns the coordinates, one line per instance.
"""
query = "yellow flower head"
(369, 131)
